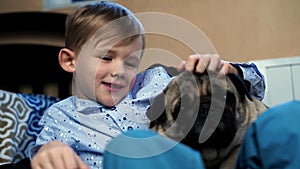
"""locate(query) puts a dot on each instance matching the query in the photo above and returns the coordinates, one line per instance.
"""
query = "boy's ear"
(66, 59)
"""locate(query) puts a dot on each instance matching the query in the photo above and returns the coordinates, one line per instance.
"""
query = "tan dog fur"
(193, 94)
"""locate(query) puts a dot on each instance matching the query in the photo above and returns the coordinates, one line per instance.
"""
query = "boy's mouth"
(112, 87)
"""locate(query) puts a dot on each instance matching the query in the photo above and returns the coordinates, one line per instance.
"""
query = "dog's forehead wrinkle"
(187, 78)
(187, 89)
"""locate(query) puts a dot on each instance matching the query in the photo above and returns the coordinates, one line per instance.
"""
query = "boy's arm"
(213, 64)
(49, 152)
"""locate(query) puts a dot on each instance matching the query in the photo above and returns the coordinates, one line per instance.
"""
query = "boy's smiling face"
(106, 73)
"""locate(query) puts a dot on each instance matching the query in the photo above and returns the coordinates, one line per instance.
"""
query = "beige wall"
(240, 30)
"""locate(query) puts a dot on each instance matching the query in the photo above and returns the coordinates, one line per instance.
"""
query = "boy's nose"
(118, 71)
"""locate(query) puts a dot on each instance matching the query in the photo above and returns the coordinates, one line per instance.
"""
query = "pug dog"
(208, 113)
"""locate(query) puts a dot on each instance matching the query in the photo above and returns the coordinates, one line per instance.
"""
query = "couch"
(19, 116)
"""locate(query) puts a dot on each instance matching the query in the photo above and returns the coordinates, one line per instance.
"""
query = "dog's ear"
(240, 85)
(172, 71)
(157, 107)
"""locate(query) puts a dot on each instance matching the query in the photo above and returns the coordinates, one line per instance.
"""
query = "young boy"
(103, 49)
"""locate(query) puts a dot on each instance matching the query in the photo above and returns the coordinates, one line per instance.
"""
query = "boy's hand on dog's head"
(210, 63)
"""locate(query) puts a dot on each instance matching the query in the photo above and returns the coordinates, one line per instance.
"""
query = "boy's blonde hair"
(83, 22)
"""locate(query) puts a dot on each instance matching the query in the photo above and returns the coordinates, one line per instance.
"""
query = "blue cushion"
(19, 116)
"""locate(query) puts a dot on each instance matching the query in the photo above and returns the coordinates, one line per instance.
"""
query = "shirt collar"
(89, 106)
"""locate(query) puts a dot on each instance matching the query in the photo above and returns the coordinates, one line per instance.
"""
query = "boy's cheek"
(132, 82)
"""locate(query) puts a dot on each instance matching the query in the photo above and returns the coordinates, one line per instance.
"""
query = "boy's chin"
(110, 102)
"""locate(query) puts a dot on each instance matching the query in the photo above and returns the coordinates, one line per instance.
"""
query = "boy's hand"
(209, 62)
(57, 155)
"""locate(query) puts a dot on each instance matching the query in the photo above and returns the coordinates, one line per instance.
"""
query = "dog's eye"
(230, 98)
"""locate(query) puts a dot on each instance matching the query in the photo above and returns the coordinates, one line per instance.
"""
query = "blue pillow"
(19, 117)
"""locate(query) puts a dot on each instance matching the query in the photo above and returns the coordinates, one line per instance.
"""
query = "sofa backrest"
(19, 117)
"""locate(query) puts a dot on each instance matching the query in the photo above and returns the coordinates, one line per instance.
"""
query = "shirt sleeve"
(51, 130)
(254, 78)
(150, 82)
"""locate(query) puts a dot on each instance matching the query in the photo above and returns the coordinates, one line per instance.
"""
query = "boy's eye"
(134, 65)
(106, 58)
(132, 61)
